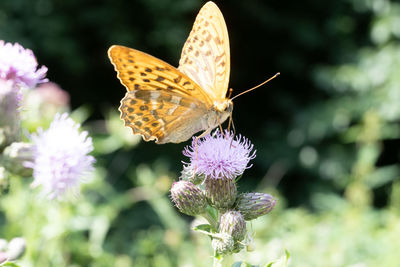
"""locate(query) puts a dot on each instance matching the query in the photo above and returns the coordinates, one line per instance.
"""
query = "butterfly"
(168, 104)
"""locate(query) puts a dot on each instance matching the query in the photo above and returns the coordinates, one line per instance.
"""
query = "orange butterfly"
(170, 105)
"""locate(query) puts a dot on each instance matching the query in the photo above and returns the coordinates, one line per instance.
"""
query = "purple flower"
(60, 157)
(20, 65)
(220, 156)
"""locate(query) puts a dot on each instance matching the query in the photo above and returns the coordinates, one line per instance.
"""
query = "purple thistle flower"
(60, 157)
(20, 65)
(220, 156)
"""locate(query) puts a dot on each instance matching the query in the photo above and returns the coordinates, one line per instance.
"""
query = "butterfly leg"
(233, 127)
(220, 127)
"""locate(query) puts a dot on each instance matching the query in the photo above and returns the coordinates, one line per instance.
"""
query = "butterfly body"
(168, 104)
(210, 119)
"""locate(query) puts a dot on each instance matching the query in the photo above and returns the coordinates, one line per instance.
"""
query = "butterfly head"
(224, 107)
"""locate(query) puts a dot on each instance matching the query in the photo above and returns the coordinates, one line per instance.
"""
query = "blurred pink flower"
(60, 157)
(20, 65)
(52, 93)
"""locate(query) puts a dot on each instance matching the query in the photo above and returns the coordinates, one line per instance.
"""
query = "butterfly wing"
(206, 56)
(162, 103)
(157, 115)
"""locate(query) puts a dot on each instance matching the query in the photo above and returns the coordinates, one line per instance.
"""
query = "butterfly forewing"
(140, 71)
(206, 56)
(160, 99)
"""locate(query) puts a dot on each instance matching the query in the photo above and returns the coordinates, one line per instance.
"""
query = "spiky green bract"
(223, 243)
(221, 192)
(233, 223)
(188, 174)
(15, 156)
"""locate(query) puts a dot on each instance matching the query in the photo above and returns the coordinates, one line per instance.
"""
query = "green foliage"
(10, 264)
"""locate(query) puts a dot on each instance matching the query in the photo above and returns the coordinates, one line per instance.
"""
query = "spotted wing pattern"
(162, 103)
(205, 56)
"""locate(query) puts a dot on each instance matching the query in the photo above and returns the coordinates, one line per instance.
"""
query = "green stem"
(223, 261)
(217, 262)
(211, 221)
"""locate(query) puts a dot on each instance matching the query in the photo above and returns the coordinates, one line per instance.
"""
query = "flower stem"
(213, 223)
(217, 262)
(223, 261)
(211, 215)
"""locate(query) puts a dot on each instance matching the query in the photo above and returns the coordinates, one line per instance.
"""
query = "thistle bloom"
(60, 157)
(20, 65)
(220, 156)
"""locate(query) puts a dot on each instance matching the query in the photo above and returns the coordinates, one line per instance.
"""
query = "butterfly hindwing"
(162, 116)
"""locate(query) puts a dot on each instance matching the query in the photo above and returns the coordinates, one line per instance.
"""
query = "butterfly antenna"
(230, 93)
(261, 84)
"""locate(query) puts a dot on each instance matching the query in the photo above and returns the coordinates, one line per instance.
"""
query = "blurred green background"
(326, 132)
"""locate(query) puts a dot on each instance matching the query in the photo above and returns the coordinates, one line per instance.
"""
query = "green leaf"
(9, 264)
(237, 264)
(287, 254)
(212, 212)
(203, 227)
(217, 256)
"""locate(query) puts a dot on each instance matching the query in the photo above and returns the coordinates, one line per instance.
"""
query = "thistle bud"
(4, 183)
(220, 192)
(233, 223)
(254, 205)
(10, 98)
(223, 243)
(188, 198)
(14, 157)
